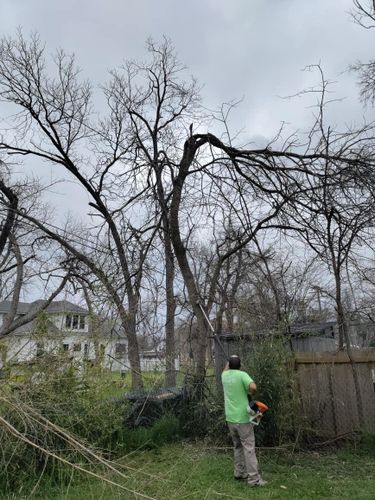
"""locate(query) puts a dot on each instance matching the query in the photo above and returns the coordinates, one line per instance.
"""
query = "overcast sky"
(255, 50)
(250, 49)
(236, 48)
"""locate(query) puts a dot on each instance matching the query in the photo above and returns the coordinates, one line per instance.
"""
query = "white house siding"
(111, 360)
(79, 345)
(151, 363)
(22, 349)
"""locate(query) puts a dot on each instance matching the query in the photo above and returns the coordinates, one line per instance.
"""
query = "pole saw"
(255, 409)
(216, 337)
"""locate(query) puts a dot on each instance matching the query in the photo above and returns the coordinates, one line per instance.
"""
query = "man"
(237, 385)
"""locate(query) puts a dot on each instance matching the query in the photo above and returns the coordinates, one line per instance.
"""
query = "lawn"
(115, 385)
(201, 472)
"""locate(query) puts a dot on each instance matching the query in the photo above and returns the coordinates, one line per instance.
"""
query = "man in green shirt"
(237, 385)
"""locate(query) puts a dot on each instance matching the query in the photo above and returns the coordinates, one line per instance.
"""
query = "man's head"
(234, 362)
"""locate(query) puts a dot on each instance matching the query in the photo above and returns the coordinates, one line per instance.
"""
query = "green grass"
(198, 472)
(115, 385)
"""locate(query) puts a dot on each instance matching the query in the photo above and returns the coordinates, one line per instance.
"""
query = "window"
(65, 347)
(75, 322)
(81, 322)
(86, 350)
(77, 347)
(120, 350)
(39, 348)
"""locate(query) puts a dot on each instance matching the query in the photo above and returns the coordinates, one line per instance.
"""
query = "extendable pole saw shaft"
(212, 330)
(255, 408)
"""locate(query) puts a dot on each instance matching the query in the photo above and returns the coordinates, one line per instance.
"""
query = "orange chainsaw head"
(262, 407)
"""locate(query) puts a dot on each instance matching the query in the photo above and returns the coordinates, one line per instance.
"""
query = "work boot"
(260, 482)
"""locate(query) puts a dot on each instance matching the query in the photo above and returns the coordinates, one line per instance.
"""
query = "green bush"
(368, 443)
(269, 364)
(165, 430)
(58, 390)
(194, 414)
(76, 401)
(62, 393)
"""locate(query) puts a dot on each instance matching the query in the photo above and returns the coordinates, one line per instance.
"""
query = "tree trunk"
(7, 225)
(128, 321)
(170, 348)
(340, 315)
(190, 148)
(344, 336)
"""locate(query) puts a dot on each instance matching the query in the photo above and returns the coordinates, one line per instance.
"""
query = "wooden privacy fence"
(337, 393)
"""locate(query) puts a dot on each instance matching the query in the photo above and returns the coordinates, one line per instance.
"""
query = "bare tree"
(334, 220)
(10, 206)
(146, 157)
(363, 13)
(54, 124)
(23, 258)
(158, 105)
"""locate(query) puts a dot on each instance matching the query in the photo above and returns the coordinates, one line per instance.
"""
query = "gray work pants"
(245, 461)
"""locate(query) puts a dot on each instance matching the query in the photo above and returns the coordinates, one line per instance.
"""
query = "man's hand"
(226, 367)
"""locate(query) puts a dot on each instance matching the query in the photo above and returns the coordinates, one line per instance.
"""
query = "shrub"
(270, 366)
(194, 414)
(66, 395)
(55, 389)
(60, 390)
(368, 443)
(165, 430)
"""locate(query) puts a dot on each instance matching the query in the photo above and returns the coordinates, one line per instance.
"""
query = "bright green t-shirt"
(236, 386)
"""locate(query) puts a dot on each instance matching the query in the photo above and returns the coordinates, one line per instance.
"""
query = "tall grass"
(59, 419)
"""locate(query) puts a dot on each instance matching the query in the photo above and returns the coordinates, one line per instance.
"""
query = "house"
(63, 326)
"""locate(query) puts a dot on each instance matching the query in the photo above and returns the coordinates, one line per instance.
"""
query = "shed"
(304, 337)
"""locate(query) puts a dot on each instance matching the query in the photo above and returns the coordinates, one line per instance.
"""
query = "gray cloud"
(239, 48)
(254, 49)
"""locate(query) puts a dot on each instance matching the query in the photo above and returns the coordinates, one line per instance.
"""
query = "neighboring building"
(66, 327)
(314, 337)
(323, 336)
(153, 360)
(302, 337)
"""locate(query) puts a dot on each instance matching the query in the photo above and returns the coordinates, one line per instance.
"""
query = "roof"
(317, 328)
(322, 328)
(150, 354)
(105, 327)
(22, 307)
(56, 306)
(32, 326)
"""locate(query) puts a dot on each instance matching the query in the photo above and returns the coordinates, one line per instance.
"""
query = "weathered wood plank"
(330, 403)
(359, 356)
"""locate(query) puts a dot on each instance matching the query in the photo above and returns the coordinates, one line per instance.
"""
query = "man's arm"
(252, 388)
